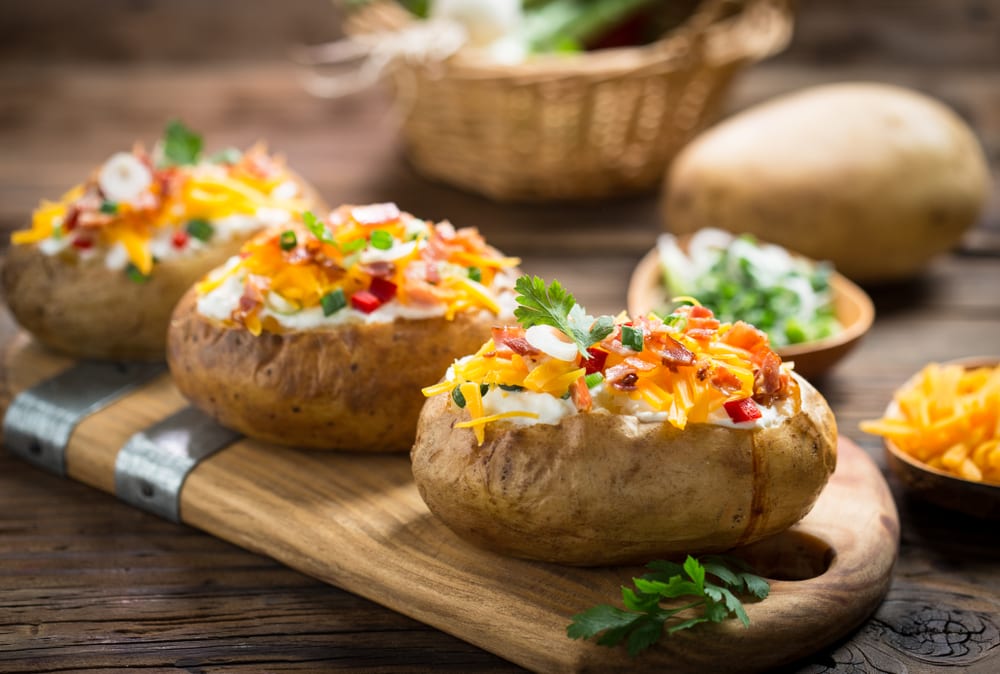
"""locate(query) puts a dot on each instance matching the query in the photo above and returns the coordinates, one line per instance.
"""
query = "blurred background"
(80, 79)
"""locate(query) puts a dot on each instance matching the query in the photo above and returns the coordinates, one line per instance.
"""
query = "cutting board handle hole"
(790, 555)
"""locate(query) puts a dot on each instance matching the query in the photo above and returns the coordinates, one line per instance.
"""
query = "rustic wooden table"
(87, 583)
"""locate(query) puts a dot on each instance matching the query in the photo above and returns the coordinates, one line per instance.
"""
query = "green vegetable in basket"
(513, 28)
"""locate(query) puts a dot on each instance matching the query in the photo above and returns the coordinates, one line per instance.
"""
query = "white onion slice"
(123, 178)
(551, 342)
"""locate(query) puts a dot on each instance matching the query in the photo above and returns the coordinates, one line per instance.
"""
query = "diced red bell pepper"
(180, 238)
(596, 361)
(742, 410)
(365, 302)
(83, 244)
(383, 289)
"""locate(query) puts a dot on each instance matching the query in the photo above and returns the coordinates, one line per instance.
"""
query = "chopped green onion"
(484, 389)
(677, 321)
(316, 226)
(632, 337)
(352, 246)
(456, 395)
(109, 207)
(567, 394)
(57, 232)
(229, 155)
(593, 379)
(381, 239)
(200, 229)
(476, 274)
(333, 301)
(134, 274)
(288, 240)
(511, 387)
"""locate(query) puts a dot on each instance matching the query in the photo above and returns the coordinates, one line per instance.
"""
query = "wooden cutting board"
(356, 521)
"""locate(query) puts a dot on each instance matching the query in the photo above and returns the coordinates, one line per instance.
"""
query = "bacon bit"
(671, 352)
(622, 376)
(375, 214)
(596, 361)
(581, 395)
(744, 336)
(93, 220)
(379, 268)
(724, 380)
(701, 334)
(512, 339)
(432, 273)
(767, 381)
(180, 238)
(383, 289)
(639, 364)
(83, 244)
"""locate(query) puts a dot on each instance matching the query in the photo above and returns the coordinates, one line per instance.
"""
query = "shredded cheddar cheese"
(949, 418)
(686, 370)
(174, 196)
(360, 258)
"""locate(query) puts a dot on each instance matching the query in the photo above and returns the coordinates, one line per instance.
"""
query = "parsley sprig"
(555, 306)
(181, 145)
(645, 620)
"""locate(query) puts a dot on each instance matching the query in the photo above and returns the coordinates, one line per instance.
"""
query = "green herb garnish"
(456, 395)
(288, 240)
(333, 301)
(381, 239)
(644, 620)
(556, 307)
(593, 379)
(200, 229)
(134, 274)
(476, 274)
(109, 207)
(632, 337)
(352, 246)
(181, 145)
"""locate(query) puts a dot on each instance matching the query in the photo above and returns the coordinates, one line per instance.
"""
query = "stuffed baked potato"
(99, 272)
(612, 441)
(321, 334)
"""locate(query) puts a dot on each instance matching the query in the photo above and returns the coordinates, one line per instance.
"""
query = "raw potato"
(876, 178)
(352, 387)
(605, 489)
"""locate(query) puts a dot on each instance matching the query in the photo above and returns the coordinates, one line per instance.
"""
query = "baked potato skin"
(84, 309)
(349, 387)
(603, 489)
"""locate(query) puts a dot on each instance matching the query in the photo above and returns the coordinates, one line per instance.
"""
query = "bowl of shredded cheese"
(942, 434)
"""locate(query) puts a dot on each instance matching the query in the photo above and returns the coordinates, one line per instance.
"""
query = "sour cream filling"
(551, 410)
(219, 304)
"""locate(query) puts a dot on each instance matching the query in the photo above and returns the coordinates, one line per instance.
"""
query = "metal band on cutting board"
(152, 466)
(41, 419)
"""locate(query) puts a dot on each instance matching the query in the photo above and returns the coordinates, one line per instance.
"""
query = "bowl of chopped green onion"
(812, 315)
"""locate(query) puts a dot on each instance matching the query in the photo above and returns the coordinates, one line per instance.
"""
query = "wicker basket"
(574, 127)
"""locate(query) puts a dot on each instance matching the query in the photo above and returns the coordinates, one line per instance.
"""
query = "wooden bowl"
(854, 308)
(980, 499)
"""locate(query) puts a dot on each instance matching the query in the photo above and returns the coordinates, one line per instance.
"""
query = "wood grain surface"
(356, 521)
(89, 584)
